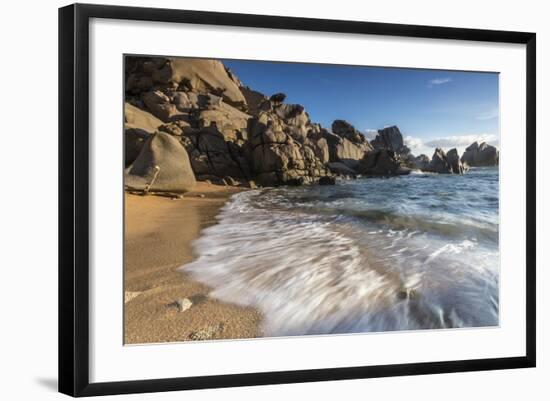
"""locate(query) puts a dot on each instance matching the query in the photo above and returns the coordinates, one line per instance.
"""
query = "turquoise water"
(366, 255)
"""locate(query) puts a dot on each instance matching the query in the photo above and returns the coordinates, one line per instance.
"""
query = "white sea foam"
(311, 273)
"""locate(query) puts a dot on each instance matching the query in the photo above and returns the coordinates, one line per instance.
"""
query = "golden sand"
(158, 236)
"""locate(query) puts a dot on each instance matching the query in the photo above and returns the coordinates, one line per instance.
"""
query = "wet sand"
(158, 236)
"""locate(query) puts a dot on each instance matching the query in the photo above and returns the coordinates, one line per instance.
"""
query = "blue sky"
(431, 107)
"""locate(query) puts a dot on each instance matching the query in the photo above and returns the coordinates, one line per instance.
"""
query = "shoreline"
(158, 235)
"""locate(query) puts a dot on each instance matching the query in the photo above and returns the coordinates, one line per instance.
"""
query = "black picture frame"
(74, 198)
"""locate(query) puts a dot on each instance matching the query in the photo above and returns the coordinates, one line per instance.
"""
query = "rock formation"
(281, 150)
(188, 75)
(439, 163)
(137, 118)
(454, 160)
(480, 155)
(346, 144)
(162, 165)
(381, 162)
(421, 162)
(390, 138)
(342, 169)
(327, 180)
(446, 163)
(134, 139)
(194, 118)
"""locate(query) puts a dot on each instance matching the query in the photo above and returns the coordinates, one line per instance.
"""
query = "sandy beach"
(158, 237)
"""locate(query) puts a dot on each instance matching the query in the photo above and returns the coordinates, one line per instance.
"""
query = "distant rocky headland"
(193, 119)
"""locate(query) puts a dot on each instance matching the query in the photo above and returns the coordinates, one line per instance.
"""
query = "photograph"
(274, 199)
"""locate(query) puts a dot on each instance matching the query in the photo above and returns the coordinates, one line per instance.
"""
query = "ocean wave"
(311, 273)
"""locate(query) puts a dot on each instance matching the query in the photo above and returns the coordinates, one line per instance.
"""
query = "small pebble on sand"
(183, 304)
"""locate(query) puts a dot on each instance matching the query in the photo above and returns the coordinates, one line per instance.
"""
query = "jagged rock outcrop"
(454, 161)
(278, 155)
(188, 75)
(231, 122)
(253, 100)
(327, 180)
(134, 139)
(162, 165)
(439, 163)
(382, 162)
(421, 162)
(345, 130)
(390, 138)
(480, 155)
(213, 155)
(341, 169)
(138, 125)
(232, 133)
(277, 98)
(346, 144)
(135, 117)
(446, 163)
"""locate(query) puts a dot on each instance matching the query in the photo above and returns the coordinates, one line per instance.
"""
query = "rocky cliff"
(390, 138)
(446, 163)
(188, 119)
(480, 155)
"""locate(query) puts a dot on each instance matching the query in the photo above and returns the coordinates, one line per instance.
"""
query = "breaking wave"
(362, 256)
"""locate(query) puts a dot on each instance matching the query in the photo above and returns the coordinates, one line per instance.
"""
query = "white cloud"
(420, 146)
(460, 140)
(439, 81)
(413, 143)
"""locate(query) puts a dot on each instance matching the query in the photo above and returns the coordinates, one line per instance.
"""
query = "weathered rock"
(162, 165)
(277, 156)
(233, 77)
(135, 117)
(211, 154)
(289, 160)
(346, 144)
(483, 155)
(439, 163)
(277, 98)
(320, 148)
(231, 130)
(341, 169)
(134, 139)
(454, 161)
(254, 100)
(294, 118)
(390, 138)
(345, 151)
(187, 102)
(421, 162)
(327, 180)
(198, 75)
(345, 130)
(159, 105)
(231, 122)
(380, 162)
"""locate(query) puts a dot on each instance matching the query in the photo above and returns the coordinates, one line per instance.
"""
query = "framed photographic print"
(249, 199)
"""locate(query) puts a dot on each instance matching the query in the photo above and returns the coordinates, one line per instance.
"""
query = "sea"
(365, 255)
